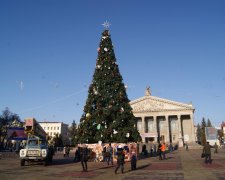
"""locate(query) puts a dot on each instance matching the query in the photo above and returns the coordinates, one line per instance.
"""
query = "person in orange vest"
(163, 148)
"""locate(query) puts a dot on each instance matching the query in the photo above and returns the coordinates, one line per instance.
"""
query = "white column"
(143, 124)
(167, 138)
(142, 130)
(192, 138)
(154, 124)
(155, 128)
(179, 126)
(181, 144)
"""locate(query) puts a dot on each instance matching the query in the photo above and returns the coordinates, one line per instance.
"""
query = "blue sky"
(48, 51)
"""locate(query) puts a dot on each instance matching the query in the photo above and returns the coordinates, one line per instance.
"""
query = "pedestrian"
(120, 159)
(186, 147)
(151, 152)
(77, 155)
(133, 161)
(109, 154)
(51, 152)
(207, 152)
(216, 148)
(84, 158)
(154, 148)
(104, 153)
(67, 151)
(163, 148)
(64, 151)
(160, 151)
(170, 147)
(144, 151)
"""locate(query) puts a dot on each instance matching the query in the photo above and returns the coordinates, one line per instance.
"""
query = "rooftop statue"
(148, 91)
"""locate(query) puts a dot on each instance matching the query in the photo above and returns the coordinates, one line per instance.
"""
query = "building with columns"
(163, 120)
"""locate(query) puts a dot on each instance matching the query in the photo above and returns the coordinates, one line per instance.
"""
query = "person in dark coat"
(109, 154)
(216, 148)
(104, 153)
(77, 155)
(186, 147)
(133, 161)
(160, 151)
(207, 152)
(120, 159)
(144, 151)
(155, 152)
(170, 147)
(84, 158)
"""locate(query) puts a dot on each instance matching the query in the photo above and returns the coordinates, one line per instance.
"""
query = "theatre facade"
(163, 120)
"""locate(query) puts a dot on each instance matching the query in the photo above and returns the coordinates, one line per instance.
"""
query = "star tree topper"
(106, 24)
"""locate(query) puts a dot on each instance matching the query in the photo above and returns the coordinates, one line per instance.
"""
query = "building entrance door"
(149, 139)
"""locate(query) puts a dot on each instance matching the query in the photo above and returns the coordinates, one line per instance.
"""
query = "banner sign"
(211, 133)
(16, 133)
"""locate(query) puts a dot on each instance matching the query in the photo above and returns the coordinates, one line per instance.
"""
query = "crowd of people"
(83, 154)
(159, 149)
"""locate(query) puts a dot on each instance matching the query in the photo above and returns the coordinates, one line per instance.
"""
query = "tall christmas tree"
(107, 114)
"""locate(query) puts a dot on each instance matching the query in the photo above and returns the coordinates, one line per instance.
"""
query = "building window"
(51, 128)
(150, 126)
(58, 128)
(174, 125)
(161, 125)
(139, 125)
(48, 128)
(54, 128)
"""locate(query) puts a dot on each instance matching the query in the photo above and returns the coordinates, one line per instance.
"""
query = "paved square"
(179, 165)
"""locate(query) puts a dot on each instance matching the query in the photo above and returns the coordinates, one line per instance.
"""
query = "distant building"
(53, 128)
(164, 120)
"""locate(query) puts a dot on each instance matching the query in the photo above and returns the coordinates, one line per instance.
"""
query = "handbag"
(203, 155)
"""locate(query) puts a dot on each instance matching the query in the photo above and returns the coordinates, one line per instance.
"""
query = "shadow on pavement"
(104, 167)
(169, 157)
(62, 161)
(138, 168)
(143, 166)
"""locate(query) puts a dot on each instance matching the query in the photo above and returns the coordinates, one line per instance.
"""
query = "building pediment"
(155, 104)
